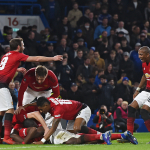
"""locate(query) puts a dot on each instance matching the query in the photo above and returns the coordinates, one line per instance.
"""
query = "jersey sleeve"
(58, 113)
(22, 89)
(17, 127)
(21, 57)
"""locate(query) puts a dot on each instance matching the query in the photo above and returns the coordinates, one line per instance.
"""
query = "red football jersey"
(29, 79)
(146, 71)
(65, 109)
(9, 64)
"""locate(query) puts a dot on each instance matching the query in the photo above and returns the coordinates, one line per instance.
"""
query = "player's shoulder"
(51, 76)
(30, 73)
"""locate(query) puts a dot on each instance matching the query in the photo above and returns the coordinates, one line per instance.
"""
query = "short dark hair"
(86, 57)
(14, 43)
(79, 50)
(41, 101)
(29, 123)
(41, 71)
(123, 39)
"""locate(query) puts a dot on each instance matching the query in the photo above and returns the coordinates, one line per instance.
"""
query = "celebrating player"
(8, 66)
(37, 82)
(141, 99)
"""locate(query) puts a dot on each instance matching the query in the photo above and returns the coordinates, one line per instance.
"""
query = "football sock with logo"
(87, 130)
(1, 118)
(115, 136)
(7, 125)
(91, 137)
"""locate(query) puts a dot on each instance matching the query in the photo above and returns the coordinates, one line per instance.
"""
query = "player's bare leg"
(8, 124)
(145, 115)
(131, 115)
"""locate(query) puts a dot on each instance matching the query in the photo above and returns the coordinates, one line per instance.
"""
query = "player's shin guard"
(8, 125)
(146, 117)
(131, 118)
(90, 137)
(87, 130)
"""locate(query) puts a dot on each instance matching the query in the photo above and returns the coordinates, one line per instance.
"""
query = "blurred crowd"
(99, 45)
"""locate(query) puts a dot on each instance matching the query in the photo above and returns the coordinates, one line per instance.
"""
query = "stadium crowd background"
(99, 45)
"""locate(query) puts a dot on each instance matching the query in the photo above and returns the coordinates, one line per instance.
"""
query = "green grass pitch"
(142, 138)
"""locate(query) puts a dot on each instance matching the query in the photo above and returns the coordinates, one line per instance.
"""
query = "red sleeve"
(54, 84)
(22, 89)
(22, 57)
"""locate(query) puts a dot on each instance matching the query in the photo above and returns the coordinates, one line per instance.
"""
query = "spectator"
(37, 35)
(121, 28)
(135, 36)
(110, 73)
(120, 117)
(91, 52)
(117, 104)
(114, 22)
(84, 18)
(137, 71)
(88, 33)
(89, 91)
(103, 120)
(80, 81)
(6, 48)
(96, 61)
(103, 15)
(42, 48)
(92, 20)
(7, 39)
(103, 27)
(119, 51)
(126, 65)
(65, 74)
(124, 46)
(78, 35)
(97, 10)
(82, 46)
(17, 85)
(146, 28)
(64, 26)
(114, 60)
(97, 81)
(144, 40)
(112, 38)
(105, 95)
(65, 36)
(122, 76)
(62, 47)
(63, 92)
(74, 93)
(50, 52)
(147, 12)
(85, 69)
(74, 15)
(124, 91)
(78, 60)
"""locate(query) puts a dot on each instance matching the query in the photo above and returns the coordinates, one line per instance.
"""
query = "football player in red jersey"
(8, 66)
(37, 82)
(141, 99)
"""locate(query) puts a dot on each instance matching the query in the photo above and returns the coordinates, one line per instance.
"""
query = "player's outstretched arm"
(44, 59)
(142, 83)
(50, 132)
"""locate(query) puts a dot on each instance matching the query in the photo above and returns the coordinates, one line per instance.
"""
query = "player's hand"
(22, 70)
(58, 58)
(135, 94)
(39, 142)
(17, 111)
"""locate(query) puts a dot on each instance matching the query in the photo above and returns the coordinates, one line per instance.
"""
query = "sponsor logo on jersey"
(147, 75)
(38, 87)
(57, 115)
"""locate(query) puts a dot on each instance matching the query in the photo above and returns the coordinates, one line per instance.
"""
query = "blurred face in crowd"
(91, 16)
(104, 34)
(137, 48)
(79, 34)
(105, 22)
(65, 20)
(103, 80)
(148, 5)
(12, 85)
(142, 38)
(65, 55)
(124, 106)
(75, 6)
(46, 31)
(146, 24)
(119, 101)
(126, 82)
(63, 42)
(100, 73)
(60, 88)
(112, 32)
(32, 35)
(136, 30)
(111, 82)
(50, 48)
(80, 43)
(80, 54)
(121, 24)
(112, 56)
(75, 46)
(7, 49)
(117, 46)
(125, 57)
(87, 62)
(91, 52)
(64, 36)
(98, 6)
(104, 11)
(120, 35)
(105, 108)
(87, 12)
(92, 80)
(74, 88)
(115, 17)
(64, 61)
(109, 67)
(9, 37)
(124, 42)
(96, 55)
(87, 25)
(17, 84)
(105, 1)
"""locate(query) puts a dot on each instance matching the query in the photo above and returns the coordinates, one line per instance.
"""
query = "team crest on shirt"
(46, 85)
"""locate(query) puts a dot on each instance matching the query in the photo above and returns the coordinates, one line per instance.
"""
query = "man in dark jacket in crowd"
(117, 104)
(74, 93)
(124, 91)
(103, 120)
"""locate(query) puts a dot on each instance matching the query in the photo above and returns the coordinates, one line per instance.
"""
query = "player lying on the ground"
(61, 136)
(37, 82)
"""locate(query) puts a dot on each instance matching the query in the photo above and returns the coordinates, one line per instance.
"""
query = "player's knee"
(144, 114)
(131, 111)
(77, 129)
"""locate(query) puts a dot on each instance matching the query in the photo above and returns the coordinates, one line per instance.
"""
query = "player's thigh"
(29, 96)
(44, 93)
(141, 98)
(6, 102)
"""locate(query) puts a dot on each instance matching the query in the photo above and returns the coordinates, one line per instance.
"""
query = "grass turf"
(142, 138)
